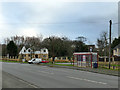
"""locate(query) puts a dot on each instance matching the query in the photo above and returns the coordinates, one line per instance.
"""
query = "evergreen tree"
(12, 49)
(115, 42)
(80, 46)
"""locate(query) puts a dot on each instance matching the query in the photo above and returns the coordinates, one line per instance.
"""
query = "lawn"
(12, 61)
(50, 63)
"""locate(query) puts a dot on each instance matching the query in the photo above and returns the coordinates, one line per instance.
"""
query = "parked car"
(35, 61)
(44, 61)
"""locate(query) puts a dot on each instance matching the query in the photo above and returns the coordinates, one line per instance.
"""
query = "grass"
(115, 65)
(108, 65)
(72, 65)
(50, 63)
(12, 61)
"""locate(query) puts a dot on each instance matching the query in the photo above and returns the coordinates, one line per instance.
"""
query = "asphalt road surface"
(35, 76)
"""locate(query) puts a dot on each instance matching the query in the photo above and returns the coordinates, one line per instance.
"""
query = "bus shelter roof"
(85, 53)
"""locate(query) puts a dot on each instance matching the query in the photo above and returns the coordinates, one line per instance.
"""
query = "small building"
(91, 48)
(116, 50)
(85, 59)
(28, 54)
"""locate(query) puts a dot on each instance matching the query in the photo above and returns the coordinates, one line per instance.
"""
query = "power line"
(57, 23)
(44, 23)
(116, 23)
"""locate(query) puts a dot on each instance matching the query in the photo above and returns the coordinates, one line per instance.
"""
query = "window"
(44, 55)
(33, 59)
(24, 50)
(44, 51)
(29, 50)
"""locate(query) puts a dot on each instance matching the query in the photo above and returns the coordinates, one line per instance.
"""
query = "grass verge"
(12, 61)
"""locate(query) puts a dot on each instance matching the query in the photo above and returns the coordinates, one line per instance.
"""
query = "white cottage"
(27, 54)
(116, 50)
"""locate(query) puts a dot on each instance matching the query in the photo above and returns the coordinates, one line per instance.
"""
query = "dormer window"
(29, 50)
(44, 50)
(24, 50)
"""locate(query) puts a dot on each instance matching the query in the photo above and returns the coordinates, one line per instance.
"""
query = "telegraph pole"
(110, 43)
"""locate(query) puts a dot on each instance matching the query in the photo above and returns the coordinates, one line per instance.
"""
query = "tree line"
(57, 46)
(103, 44)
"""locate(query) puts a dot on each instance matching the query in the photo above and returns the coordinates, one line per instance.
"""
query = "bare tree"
(57, 46)
(29, 42)
(6, 41)
(102, 43)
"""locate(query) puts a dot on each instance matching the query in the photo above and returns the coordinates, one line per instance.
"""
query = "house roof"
(23, 51)
(29, 50)
(37, 52)
(118, 46)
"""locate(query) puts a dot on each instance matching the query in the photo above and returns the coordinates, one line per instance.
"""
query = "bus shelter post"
(97, 59)
(91, 60)
(73, 60)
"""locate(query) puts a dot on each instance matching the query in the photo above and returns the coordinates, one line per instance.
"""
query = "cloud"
(49, 1)
(48, 18)
(2, 19)
(2, 27)
(28, 31)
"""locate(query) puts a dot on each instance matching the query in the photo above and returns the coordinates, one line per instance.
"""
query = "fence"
(10, 59)
(104, 62)
(62, 59)
(106, 59)
(113, 65)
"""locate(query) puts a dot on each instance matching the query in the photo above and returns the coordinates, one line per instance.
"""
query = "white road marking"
(28, 83)
(86, 80)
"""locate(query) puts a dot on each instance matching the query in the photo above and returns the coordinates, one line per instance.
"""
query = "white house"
(27, 54)
(116, 50)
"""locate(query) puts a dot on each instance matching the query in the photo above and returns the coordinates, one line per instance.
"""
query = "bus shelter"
(85, 59)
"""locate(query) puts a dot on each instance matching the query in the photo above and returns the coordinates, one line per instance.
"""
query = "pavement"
(38, 76)
(95, 70)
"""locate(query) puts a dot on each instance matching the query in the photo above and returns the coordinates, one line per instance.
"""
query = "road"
(37, 76)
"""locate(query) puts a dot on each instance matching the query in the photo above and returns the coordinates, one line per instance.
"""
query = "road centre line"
(86, 80)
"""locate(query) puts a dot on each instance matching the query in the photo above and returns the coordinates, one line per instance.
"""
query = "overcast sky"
(71, 19)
